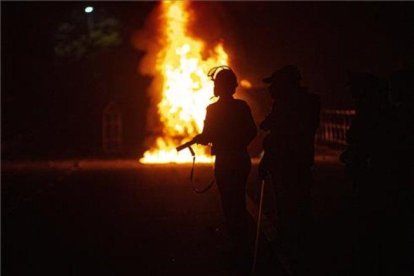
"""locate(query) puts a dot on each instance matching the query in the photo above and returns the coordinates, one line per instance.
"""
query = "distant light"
(89, 9)
(245, 84)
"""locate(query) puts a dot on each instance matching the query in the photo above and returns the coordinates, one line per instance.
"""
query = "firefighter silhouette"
(379, 159)
(229, 127)
(289, 155)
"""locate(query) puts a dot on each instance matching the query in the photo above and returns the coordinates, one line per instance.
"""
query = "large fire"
(186, 90)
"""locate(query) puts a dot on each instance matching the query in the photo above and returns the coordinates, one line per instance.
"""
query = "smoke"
(148, 40)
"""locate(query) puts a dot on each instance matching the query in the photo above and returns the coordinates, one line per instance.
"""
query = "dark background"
(52, 105)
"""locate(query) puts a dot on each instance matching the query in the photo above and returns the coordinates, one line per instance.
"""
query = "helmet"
(225, 81)
(284, 82)
(402, 86)
(366, 86)
(288, 73)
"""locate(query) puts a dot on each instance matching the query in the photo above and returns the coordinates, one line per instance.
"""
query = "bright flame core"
(186, 89)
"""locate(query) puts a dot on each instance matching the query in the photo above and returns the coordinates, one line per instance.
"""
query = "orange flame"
(186, 89)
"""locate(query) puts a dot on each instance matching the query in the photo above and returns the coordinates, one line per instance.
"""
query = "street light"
(89, 9)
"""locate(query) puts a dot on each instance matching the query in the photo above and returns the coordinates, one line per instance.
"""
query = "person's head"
(402, 87)
(367, 89)
(225, 81)
(284, 82)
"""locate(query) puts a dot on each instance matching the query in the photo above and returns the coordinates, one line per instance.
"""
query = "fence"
(333, 127)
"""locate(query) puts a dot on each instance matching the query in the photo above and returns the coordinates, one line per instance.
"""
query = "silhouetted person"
(229, 127)
(366, 152)
(366, 137)
(377, 158)
(401, 222)
(289, 155)
(402, 100)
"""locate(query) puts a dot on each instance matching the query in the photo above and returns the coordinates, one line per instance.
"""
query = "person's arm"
(205, 136)
(315, 113)
(268, 122)
(251, 130)
(279, 119)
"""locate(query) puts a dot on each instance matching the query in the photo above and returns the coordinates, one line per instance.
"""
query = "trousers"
(231, 172)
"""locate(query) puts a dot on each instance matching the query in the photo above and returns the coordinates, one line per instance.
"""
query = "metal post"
(259, 219)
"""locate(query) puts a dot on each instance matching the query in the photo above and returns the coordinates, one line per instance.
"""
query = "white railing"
(333, 127)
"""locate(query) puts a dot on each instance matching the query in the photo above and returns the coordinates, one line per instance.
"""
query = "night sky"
(47, 101)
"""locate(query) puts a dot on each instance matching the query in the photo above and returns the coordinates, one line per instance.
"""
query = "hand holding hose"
(186, 145)
(199, 139)
(196, 140)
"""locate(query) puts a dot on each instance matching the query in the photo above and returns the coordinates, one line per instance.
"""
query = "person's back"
(369, 138)
(229, 126)
(292, 125)
(402, 94)
(288, 157)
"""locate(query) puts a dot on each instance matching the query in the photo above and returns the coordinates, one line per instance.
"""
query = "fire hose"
(208, 187)
(194, 188)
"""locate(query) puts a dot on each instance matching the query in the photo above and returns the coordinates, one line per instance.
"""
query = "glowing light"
(245, 84)
(186, 89)
(89, 9)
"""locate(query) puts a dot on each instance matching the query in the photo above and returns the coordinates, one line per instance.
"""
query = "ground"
(119, 217)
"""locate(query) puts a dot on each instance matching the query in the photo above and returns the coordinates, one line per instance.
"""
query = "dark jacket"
(229, 126)
(292, 124)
